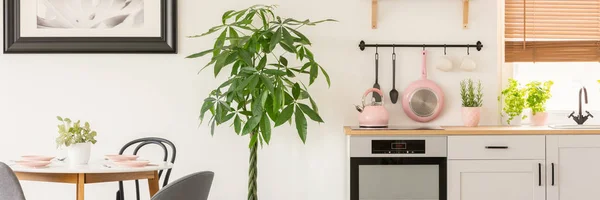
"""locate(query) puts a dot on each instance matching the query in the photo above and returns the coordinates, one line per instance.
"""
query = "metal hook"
(444, 49)
(468, 50)
(376, 48)
(423, 47)
(394, 51)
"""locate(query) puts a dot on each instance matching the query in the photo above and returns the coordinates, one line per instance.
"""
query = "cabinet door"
(576, 160)
(496, 180)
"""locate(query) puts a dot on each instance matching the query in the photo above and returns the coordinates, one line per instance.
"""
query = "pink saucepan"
(423, 100)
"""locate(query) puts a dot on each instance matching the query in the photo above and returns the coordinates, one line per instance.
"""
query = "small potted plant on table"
(472, 100)
(537, 95)
(78, 140)
(514, 102)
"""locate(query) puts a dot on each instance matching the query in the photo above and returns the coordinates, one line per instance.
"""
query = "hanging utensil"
(376, 85)
(423, 99)
(394, 93)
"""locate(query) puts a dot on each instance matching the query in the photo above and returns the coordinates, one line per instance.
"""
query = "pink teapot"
(373, 115)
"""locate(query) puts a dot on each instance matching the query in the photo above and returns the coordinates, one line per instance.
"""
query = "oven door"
(398, 178)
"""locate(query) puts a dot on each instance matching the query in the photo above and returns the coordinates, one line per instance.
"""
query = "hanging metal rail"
(477, 46)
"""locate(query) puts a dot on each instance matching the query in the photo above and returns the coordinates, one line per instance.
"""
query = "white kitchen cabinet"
(496, 180)
(576, 160)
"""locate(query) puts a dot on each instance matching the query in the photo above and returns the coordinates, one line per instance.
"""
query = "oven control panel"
(398, 146)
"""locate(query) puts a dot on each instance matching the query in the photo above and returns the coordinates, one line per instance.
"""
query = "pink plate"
(133, 163)
(36, 158)
(33, 164)
(117, 158)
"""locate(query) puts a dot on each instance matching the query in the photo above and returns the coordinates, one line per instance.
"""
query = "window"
(556, 40)
(568, 79)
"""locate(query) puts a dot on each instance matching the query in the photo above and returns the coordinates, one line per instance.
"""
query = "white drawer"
(496, 147)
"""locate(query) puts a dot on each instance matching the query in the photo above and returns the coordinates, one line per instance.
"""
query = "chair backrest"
(195, 186)
(169, 151)
(10, 188)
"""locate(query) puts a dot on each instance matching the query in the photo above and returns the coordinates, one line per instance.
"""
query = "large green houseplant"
(263, 90)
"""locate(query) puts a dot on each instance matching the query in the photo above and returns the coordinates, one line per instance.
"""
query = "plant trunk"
(252, 172)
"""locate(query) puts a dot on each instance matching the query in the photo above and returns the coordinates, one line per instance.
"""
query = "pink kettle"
(374, 115)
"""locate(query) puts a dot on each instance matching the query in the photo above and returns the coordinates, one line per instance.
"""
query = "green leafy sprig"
(72, 133)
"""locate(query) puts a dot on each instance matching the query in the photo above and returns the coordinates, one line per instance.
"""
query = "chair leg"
(119, 195)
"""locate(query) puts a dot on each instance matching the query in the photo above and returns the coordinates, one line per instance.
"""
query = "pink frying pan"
(423, 100)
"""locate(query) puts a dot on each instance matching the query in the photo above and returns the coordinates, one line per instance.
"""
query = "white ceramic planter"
(471, 116)
(79, 154)
(539, 119)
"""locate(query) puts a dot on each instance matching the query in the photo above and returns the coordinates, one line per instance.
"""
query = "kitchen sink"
(573, 126)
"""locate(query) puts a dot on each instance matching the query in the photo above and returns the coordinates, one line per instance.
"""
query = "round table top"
(57, 167)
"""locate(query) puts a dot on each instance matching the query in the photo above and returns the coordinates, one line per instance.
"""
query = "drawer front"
(496, 147)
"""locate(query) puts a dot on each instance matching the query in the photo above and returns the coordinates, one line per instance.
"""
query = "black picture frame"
(166, 43)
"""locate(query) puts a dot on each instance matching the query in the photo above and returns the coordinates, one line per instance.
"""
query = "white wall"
(131, 96)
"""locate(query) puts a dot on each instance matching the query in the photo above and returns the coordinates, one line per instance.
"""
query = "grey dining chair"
(10, 188)
(195, 186)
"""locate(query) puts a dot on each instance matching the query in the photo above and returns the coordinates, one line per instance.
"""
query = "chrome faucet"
(580, 119)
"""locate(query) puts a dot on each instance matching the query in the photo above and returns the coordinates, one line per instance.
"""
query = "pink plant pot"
(539, 119)
(471, 116)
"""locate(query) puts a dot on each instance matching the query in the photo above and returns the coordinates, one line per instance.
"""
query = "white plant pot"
(79, 154)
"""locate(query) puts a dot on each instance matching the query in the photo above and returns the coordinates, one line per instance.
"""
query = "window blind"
(552, 30)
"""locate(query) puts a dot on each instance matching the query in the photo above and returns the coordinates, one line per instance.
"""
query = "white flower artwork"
(90, 14)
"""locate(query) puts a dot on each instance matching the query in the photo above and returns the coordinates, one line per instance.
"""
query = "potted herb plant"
(514, 102)
(78, 140)
(263, 90)
(472, 100)
(537, 94)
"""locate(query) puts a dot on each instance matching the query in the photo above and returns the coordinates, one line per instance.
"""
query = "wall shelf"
(375, 13)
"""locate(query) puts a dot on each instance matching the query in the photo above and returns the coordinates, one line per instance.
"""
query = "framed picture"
(90, 26)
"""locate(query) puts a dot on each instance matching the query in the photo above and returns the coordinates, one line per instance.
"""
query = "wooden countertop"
(481, 130)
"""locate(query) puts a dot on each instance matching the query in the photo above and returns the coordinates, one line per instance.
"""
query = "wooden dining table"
(94, 172)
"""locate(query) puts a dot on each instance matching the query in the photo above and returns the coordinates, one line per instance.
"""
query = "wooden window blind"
(552, 30)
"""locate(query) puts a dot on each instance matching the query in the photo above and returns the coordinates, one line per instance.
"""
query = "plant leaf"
(251, 124)
(219, 43)
(208, 104)
(296, 90)
(245, 83)
(283, 61)
(265, 127)
(267, 82)
(226, 16)
(275, 39)
(302, 36)
(301, 125)
(237, 124)
(288, 39)
(262, 63)
(314, 72)
(285, 115)
(326, 76)
(311, 113)
(196, 55)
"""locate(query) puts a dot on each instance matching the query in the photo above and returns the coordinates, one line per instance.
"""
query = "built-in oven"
(397, 168)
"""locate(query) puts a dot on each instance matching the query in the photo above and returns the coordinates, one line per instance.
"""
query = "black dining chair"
(169, 151)
(195, 186)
